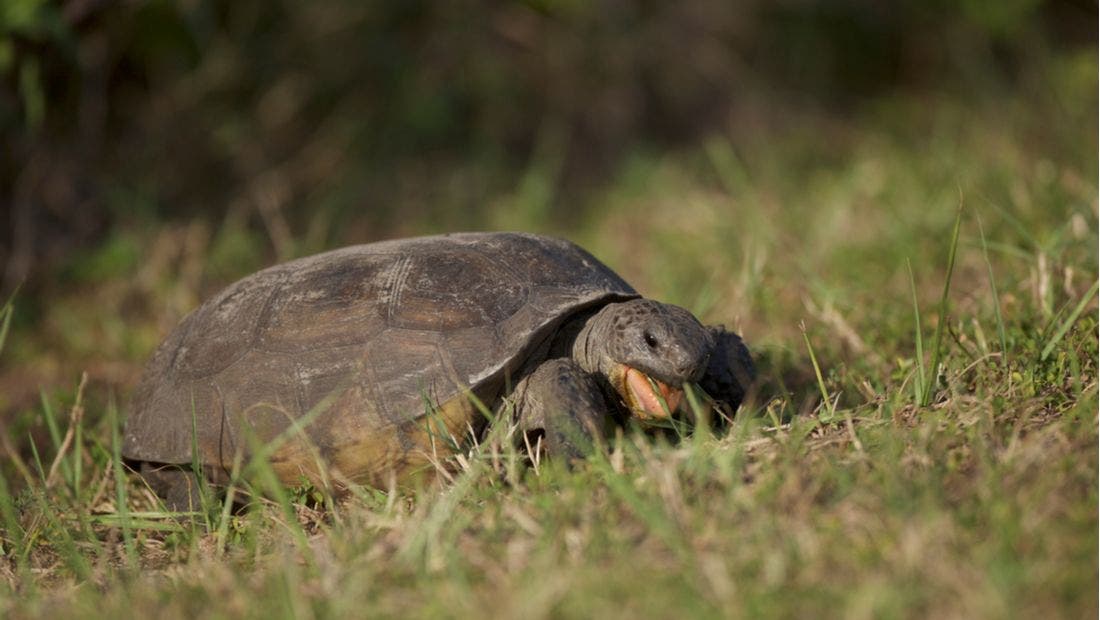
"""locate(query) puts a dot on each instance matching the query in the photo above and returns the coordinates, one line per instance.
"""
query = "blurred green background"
(789, 168)
(156, 150)
(322, 123)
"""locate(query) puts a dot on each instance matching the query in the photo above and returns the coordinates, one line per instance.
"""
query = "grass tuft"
(941, 324)
(1069, 321)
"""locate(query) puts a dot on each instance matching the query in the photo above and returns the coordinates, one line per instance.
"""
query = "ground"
(919, 291)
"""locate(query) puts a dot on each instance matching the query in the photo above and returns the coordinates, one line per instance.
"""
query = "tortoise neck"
(589, 346)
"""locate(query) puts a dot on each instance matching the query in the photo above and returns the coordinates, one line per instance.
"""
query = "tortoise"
(357, 362)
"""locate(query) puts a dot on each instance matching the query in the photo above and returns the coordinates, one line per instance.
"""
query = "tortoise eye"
(651, 340)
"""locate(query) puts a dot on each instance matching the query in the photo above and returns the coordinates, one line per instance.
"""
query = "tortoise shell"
(348, 361)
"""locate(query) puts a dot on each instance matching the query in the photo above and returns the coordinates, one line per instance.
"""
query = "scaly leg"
(566, 404)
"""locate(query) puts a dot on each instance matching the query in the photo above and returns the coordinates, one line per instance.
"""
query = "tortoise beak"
(647, 398)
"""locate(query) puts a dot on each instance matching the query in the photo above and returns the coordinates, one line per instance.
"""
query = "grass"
(869, 476)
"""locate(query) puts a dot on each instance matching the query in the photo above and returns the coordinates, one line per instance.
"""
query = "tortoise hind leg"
(566, 404)
(177, 485)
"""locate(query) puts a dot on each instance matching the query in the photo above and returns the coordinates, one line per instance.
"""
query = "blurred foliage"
(346, 121)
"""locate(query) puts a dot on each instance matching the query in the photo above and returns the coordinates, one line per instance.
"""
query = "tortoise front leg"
(565, 403)
(729, 372)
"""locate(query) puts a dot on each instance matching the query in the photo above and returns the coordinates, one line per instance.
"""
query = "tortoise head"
(646, 350)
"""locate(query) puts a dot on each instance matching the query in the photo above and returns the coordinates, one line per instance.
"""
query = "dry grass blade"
(533, 453)
(76, 415)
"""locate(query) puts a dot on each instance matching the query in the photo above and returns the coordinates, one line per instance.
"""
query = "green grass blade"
(918, 336)
(652, 513)
(731, 172)
(1016, 224)
(60, 536)
(37, 459)
(817, 373)
(13, 534)
(51, 420)
(5, 322)
(222, 533)
(1070, 320)
(426, 541)
(700, 414)
(156, 522)
(78, 457)
(197, 470)
(264, 474)
(996, 296)
(941, 326)
(121, 487)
